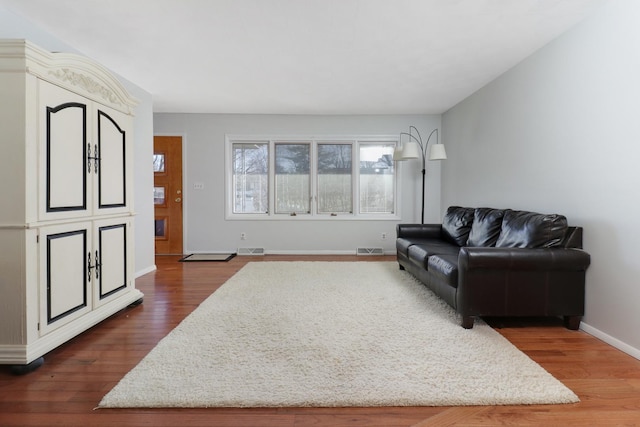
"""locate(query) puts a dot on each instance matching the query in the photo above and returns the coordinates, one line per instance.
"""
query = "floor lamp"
(416, 149)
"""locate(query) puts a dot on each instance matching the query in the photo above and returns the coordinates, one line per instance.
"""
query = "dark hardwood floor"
(75, 376)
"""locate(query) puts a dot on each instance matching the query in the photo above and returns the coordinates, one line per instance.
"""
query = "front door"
(167, 194)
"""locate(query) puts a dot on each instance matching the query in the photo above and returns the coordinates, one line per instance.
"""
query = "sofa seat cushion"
(403, 244)
(419, 254)
(456, 224)
(444, 267)
(486, 227)
(522, 229)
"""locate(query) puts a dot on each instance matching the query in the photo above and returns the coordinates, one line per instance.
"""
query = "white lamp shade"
(437, 152)
(411, 150)
(398, 154)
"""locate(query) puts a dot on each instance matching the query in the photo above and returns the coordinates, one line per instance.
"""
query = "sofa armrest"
(553, 259)
(432, 231)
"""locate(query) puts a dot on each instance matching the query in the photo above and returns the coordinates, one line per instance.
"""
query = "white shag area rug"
(331, 334)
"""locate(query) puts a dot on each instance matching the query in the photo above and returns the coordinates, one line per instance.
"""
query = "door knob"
(178, 200)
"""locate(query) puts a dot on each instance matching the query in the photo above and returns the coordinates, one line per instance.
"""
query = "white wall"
(143, 176)
(560, 133)
(206, 227)
(15, 27)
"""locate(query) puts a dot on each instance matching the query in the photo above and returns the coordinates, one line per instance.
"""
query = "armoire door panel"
(66, 273)
(112, 250)
(66, 264)
(64, 175)
(112, 141)
(66, 158)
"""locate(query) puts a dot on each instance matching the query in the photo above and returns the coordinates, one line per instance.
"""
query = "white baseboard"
(622, 346)
(319, 252)
(146, 270)
(210, 252)
(297, 252)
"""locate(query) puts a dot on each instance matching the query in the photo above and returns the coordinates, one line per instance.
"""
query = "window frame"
(356, 141)
(230, 168)
(275, 175)
(354, 191)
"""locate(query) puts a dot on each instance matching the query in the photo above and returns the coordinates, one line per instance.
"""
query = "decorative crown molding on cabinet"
(76, 72)
(86, 83)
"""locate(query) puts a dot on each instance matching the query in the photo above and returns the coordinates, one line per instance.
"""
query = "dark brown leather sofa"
(499, 262)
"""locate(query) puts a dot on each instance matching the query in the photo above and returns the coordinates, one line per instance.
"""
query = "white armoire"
(66, 185)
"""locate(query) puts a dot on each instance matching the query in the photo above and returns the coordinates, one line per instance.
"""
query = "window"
(293, 178)
(311, 178)
(335, 194)
(377, 179)
(250, 178)
(158, 162)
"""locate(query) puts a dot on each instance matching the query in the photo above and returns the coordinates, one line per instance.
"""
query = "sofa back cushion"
(522, 229)
(456, 224)
(487, 224)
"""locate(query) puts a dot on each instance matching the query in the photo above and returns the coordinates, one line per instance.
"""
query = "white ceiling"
(306, 56)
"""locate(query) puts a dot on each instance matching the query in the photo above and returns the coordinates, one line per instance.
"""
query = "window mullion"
(272, 178)
(313, 171)
(355, 178)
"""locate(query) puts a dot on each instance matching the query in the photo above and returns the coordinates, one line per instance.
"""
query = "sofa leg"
(467, 322)
(401, 266)
(572, 322)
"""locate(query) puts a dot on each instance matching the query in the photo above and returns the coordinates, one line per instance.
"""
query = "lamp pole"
(423, 155)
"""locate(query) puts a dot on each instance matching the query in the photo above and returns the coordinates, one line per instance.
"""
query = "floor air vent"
(250, 251)
(369, 251)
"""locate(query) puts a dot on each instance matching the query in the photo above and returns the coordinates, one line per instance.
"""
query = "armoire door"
(64, 141)
(111, 150)
(112, 252)
(66, 265)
